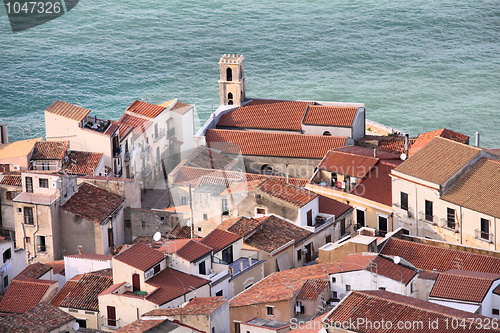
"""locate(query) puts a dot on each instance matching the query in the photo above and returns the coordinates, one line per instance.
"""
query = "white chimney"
(477, 139)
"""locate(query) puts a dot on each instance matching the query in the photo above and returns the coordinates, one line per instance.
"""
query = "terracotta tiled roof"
(358, 150)
(395, 144)
(64, 291)
(193, 250)
(140, 326)
(294, 195)
(84, 295)
(311, 326)
(244, 225)
(180, 232)
(23, 294)
(219, 239)
(123, 129)
(312, 289)
(438, 160)
(429, 257)
(342, 116)
(82, 162)
(57, 266)
(197, 306)
(139, 125)
(389, 269)
(172, 284)
(12, 180)
(34, 271)
(331, 206)
(40, 319)
(377, 186)
(68, 110)
(92, 203)
(272, 143)
(241, 187)
(17, 148)
(274, 233)
(266, 114)
(463, 285)
(425, 138)
(92, 256)
(140, 256)
(181, 108)
(145, 109)
(50, 150)
(379, 305)
(478, 189)
(347, 164)
(210, 159)
(281, 286)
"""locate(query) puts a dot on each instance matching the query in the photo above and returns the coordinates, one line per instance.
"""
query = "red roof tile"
(40, 319)
(180, 232)
(218, 239)
(297, 196)
(331, 206)
(210, 159)
(312, 326)
(274, 233)
(377, 186)
(145, 109)
(312, 289)
(389, 269)
(50, 150)
(172, 284)
(463, 285)
(68, 110)
(140, 256)
(64, 291)
(429, 257)
(347, 164)
(341, 116)
(243, 225)
(375, 306)
(193, 250)
(23, 294)
(85, 294)
(425, 138)
(57, 266)
(140, 326)
(139, 125)
(181, 108)
(82, 162)
(12, 180)
(34, 271)
(268, 114)
(91, 256)
(272, 143)
(92, 203)
(358, 150)
(197, 306)
(281, 286)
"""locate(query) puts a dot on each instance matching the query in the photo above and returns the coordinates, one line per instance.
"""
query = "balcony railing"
(41, 248)
(145, 170)
(127, 156)
(110, 323)
(485, 236)
(28, 219)
(431, 219)
(160, 135)
(449, 224)
(145, 152)
(171, 132)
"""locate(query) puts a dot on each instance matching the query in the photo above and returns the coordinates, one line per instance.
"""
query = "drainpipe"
(495, 231)
(416, 209)
(477, 139)
(34, 234)
(461, 241)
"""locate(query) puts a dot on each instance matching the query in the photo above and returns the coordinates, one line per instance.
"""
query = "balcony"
(431, 219)
(145, 170)
(41, 248)
(145, 153)
(28, 219)
(171, 132)
(485, 236)
(449, 224)
(127, 157)
(160, 135)
(110, 323)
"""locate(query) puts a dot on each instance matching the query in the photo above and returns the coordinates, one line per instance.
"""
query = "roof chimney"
(375, 152)
(477, 139)
(407, 144)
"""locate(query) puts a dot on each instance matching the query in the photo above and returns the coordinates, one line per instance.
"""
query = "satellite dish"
(397, 260)
(76, 326)
(403, 157)
(157, 236)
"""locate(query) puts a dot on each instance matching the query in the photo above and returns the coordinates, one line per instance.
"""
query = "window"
(199, 229)
(495, 312)
(43, 182)
(45, 166)
(128, 223)
(334, 295)
(19, 210)
(143, 224)
(381, 288)
(299, 254)
(219, 293)
(205, 216)
(266, 169)
(29, 184)
(89, 313)
(360, 218)
(27, 240)
(347, 287)
(261, 211)
(334, 279)
(7, 254)
(327, 133)
(227, 255)
(382, 225)
(270, 310)
(156, 269)
(10, 195)
(225, 210)
(184, 200)
(450, 218)
(5, 281)
(310, 217)
(230, 99)
(404, 200)
(201, 268)
(111, 316)
(229, 74)
(329, 239)
(28, 215)
(428, 211)
(485, 229)
(41, 245)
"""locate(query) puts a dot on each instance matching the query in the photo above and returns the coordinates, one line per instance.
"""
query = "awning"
(283, 262)
(472, 308)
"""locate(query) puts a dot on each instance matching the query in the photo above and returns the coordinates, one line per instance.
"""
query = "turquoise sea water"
(417, 65)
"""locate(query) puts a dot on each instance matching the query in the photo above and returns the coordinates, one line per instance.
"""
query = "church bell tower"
(232, 80)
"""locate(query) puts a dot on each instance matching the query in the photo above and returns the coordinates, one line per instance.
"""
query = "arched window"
(266, 169)
(327, 133)
(230, 99)
(229, 74)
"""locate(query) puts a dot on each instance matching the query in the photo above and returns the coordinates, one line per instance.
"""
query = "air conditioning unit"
(16, 167)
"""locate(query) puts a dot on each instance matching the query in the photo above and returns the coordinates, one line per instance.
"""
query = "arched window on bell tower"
(230, 99)
(229, 74)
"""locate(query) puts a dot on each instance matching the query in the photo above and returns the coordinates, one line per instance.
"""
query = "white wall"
(74, 266)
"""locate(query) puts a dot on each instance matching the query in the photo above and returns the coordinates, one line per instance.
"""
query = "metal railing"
(127, 157)
(482, 235)
(431, 219)
(145, 170)
(449, 224)
(160, 135)
(41, 248)
(171, 132)
(145, 152)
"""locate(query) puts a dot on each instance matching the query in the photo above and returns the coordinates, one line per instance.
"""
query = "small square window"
(199, 228)
(27, 240)
(44, 182)
(19, 210)
(144, 224)
(334, 279)
(381, 288)
(270, 310)
(347, 287)
(5, 281)
(299, 254)
(495, 312)
(219, 293)
(205, 216)
(261, 211)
